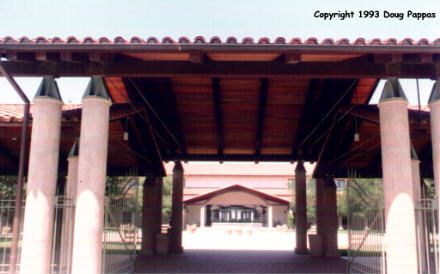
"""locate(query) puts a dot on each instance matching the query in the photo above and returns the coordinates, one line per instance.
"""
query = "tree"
(167, 189)
(311, 200)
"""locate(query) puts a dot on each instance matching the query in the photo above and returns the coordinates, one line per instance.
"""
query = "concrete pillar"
(327, 218)
(330, 241)
(92, 170)
(397, 180)
(149, 230)
(300, 209)
(270, 216)
(68, 212)
(434, 105)
(42, 179)
(175, 232)
(202, 216)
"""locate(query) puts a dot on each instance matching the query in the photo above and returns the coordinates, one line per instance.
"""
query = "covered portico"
(151, 101)
(236, 204)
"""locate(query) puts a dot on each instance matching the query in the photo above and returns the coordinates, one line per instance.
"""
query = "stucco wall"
(218, 181)
(192, 215)
(279, 215)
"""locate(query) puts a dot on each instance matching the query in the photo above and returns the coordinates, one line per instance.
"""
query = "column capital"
(392, 90)
(48, 89)
(74, 151)
(178, 166)
(96, 89)
(434, 98)
(300, 166)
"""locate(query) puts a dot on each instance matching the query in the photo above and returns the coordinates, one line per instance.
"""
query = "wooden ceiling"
(232, 103)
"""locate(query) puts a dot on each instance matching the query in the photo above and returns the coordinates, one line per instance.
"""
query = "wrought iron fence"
(62, 234)
(366, 227)
(6, 220)
(427, 236)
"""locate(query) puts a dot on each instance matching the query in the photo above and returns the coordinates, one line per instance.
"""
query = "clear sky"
(239, 18)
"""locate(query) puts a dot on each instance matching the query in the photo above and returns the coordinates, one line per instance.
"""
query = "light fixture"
(356, 136)
(356, 133)
(125, 136)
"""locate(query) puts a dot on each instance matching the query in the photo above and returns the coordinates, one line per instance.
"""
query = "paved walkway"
(238, 261)
(265, 252)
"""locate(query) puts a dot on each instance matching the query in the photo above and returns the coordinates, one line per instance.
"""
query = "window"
(339, 184)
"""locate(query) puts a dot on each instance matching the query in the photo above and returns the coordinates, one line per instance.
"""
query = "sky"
(223, 18)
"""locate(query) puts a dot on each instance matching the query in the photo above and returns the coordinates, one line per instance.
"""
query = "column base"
(175, 241)
(176, 250)
(301, 251)
(146, 253)
(332, 254)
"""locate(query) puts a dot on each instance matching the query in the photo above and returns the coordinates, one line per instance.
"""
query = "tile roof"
(216, 40)
(14, 112)
(236, 187)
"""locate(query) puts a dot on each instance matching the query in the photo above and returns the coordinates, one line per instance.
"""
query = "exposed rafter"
(304, 124)
(236, 157)
(172, 116)
(216, 94)
(261, 113)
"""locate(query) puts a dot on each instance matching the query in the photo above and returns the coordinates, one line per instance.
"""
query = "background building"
(237, 193)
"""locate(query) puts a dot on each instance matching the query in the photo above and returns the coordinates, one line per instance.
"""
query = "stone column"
(68, 212)
(397, 180)
(300, 209)
(270, 216)
(92, 171)
(42, 179)
(149, 230)
(330, 212)
(175, 232)
(434, 105)
(202, 216)
(320, 217)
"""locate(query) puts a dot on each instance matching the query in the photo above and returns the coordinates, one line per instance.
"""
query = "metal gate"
(121, 235)
(366, 226)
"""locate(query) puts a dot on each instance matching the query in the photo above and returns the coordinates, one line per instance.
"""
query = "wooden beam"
(261, 113)
(332, 128)
(196, 57)
(387, 58)
(370, 113)
(216, 95)
(292, 58)
(139, 68)
(43, 56)
(315, 85)
(151, 147)
(172, 115)
(234, 157)
(135, 143)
